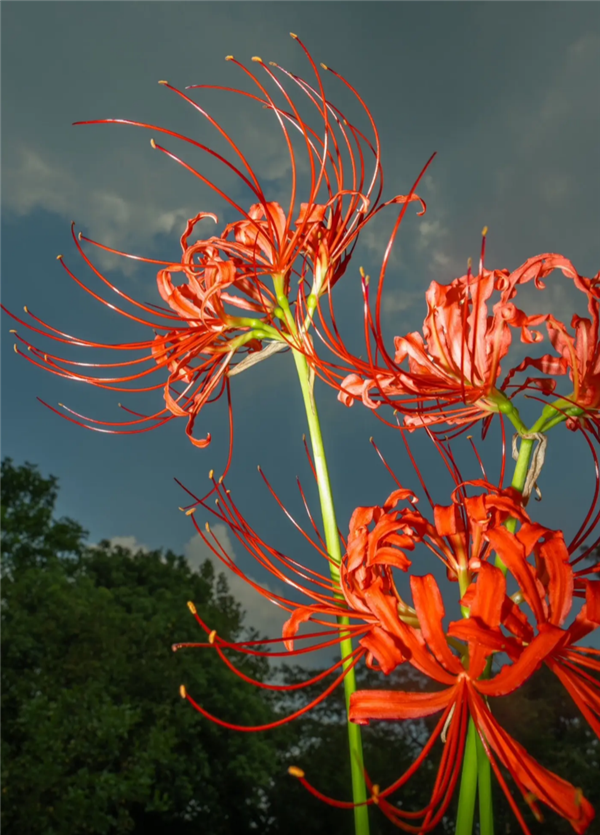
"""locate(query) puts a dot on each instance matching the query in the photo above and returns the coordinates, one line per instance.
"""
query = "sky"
(508, 96)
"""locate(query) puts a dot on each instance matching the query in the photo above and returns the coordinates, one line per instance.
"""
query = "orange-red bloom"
(391, 630)
(577, 354)
(224, 296)
(494, 623)
(454, 366)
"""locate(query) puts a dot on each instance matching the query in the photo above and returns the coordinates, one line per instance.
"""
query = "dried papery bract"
(235, 282)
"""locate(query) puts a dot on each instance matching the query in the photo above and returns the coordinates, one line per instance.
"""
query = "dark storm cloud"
(506, 93)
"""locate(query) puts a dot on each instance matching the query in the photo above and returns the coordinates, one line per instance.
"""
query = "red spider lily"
(495, 624)
(200, 335)
(454, 365)
(578, 355)
(390, 631)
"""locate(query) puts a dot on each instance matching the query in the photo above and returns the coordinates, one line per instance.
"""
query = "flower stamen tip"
(190, 511)
(292, 35)
(257, 59)
(229, 58)
(211, 636)
(375, 795)
(484, 231)
(207, 527)
(325, 67)
(182, 692)
(163, 82)
(191, 607)
(153, 143)
(25, 309)
(59, 257)
(211, 474)
(294, 771)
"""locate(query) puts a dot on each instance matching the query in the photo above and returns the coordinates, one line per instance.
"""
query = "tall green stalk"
(359, 789)
(476, 774)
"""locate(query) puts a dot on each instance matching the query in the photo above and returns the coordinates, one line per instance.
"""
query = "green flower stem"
(468, 784)
(484, 784)
(359, 789)
(476, 770)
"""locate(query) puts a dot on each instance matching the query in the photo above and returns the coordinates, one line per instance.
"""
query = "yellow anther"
(294, 771)
(220, 481)
(120, 405)
(79, 235)
(295, 37)
(257, 59)
(182, 692)
(190, 511)
(469, 262)
(153, 143)
(272, 63)
(229, 57)
(62, 405)
(16, 349)
(469, 437)
(191, 607)
(484, 231)
(375, 794)
(12, 331)
(211, 637)
(325, 67)
(26, 309)
(207, 527)
(362, 272)
(59, 257)
(228, 491)
(211, 474)
(163, 82)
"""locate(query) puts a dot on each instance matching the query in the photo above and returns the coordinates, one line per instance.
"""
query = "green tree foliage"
(95, 737)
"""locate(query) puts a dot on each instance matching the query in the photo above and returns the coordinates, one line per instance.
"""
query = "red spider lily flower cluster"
(454, 366)
(235, 283)
(465, 536)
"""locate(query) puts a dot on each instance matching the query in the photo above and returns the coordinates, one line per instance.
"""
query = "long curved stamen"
(358, 654)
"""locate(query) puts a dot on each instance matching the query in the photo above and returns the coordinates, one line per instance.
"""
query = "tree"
(95, 738)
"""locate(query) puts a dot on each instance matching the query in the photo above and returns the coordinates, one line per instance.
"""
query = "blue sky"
(506, 93)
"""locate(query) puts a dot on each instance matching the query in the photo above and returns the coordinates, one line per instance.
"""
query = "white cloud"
(261, 614)
(34, 182)
(128, 542)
